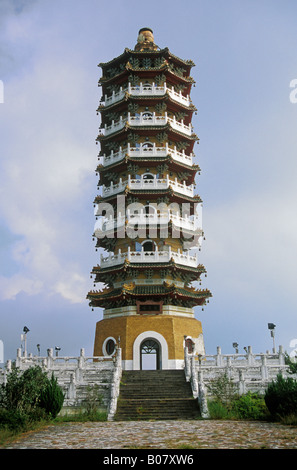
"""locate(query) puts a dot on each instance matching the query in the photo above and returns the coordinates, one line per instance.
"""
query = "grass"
(9, 435)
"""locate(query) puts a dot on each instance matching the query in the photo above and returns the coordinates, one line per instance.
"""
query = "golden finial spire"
(145, 40)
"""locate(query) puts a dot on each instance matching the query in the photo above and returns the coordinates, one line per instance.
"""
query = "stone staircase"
(155, 395)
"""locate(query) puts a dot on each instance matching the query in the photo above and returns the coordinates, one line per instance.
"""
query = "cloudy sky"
(245, 53)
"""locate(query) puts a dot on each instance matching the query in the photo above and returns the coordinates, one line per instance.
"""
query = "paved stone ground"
(161, 435)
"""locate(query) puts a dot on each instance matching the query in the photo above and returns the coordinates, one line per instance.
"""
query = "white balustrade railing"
(147, 151)
(75, 374)
(115, 126)
(114, 97)
(147, 90)
(180, 126)
(251, 372)
(142, 256)
(110, 224)
(147, 119)
(148, 183)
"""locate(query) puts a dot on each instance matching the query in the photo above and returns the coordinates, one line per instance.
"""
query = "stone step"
(161, 394)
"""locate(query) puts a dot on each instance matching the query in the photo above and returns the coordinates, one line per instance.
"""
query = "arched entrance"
(150, 354)
(162, 350)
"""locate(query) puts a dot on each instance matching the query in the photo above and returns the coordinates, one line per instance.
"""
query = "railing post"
(242, 388)
(281, 356)
(115, 386)
(194, 380)
(250, 357)
(50, 359)
(264, 370)
(72, 387)
(18, 358)
(202, 396)
(81, 359)
(187, 364)
(219, 361)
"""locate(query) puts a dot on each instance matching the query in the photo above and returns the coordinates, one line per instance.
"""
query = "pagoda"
(148, 226)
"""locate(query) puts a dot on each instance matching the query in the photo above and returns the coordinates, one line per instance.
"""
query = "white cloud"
(46, 162)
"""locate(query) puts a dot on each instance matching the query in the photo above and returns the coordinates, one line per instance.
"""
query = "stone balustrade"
(143, 183)
(147, 90)
(142, 256)
(105, 225)
(76, 374)
(249, 372)
(147, 151)
(147, 119)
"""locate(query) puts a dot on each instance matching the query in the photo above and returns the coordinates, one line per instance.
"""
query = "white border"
(142, 337)
(104, 346)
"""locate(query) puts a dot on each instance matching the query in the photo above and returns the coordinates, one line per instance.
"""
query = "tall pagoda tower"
(149, 217)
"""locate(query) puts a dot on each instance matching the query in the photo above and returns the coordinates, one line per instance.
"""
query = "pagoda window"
(110, 347)
(146, 85)
(147, 115)
(147, 145)
(148, 176)
(148, 245)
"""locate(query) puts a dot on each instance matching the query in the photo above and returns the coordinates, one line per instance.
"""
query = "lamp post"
(235, 346)
(57, 349)
(38, 349)
(24, 336)
(271, 327)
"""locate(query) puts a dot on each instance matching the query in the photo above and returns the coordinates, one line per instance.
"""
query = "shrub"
(28, 397)
(250, 406)
(52, 398)
(92, 402)
(281, 397)
(22, 390)
(223, 390)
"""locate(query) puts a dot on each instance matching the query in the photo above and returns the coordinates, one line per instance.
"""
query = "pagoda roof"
(165, 51)
(144, 290)
(171, 265)
(197, 297)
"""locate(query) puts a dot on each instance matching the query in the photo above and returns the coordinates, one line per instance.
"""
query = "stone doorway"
(150, 355)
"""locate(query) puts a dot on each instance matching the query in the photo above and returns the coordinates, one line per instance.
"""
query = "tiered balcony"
(148, 184)
(105, 225)
(147, 151)
(147, 119)
(142, 256)
(147, 90)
